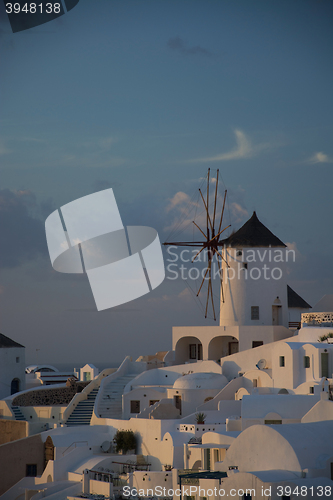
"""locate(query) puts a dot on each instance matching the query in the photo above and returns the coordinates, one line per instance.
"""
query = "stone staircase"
(110, 402)
(81, 415)
(17, 413)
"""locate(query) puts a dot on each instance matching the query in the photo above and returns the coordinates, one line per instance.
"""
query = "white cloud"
(3, 149)
(244, 149)
(180, 200)
(238, 213)
(320, 157)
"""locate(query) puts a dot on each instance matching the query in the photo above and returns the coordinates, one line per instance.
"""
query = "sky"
(143, 97)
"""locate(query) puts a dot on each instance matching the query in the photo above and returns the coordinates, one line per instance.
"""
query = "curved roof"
(201, 380)
(292, 447)
(253, 234)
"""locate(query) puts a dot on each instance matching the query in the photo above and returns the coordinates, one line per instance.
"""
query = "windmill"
(212, 241)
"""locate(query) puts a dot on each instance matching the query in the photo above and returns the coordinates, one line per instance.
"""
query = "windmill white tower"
(254, 278)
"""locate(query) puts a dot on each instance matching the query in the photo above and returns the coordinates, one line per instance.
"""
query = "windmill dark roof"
(294, 300)
(7, 342)
(253, 234)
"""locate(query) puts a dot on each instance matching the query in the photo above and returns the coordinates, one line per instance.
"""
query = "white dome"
(201, 381)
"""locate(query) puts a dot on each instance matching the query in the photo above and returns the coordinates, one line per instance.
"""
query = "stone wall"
(61, 396)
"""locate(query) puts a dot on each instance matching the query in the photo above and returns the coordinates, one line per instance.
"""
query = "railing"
(74, 445)
(294, 325)
(318, 318)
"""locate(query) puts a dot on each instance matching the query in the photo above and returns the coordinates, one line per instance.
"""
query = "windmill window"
(244, 265)
(282, 361)
(254, 312)
(239, 253)
(306, 361)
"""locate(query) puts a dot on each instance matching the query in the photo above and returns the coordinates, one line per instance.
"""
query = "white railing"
(74, 445)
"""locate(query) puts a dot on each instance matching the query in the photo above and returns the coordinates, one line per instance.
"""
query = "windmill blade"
(199, 229)
(208, 218)
(208, 201)
(197, 254)
(225, 195)
(217, 182)
(218, 253)
(208, 292)
(203, 281)
(221, 279)
(184, 243)
(211, 291)
(219, 233)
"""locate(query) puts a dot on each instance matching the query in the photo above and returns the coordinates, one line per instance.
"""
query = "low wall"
(61, 396)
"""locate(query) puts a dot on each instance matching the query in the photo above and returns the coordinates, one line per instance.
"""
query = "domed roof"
(201, 381)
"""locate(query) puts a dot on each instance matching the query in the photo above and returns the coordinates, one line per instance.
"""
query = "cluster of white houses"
(241, 410)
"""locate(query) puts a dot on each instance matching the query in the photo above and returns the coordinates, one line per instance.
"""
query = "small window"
(247, 496)
(135, 406)
(273, 422)
(31, 470)
(193, 351)
(282, 361)
(311, 390)
(255, 382)
(257, 343)
(153, 401)
(254, 312)
(306, 361)
(239, 253)
(17, 359)
(244, 265)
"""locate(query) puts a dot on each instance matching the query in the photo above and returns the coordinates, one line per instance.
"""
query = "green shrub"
(125, 441)
(200, 418)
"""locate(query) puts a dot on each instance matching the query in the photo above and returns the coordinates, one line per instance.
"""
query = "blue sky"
(144, 96)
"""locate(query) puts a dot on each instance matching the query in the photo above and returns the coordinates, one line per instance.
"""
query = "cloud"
(3, 149)
(22, 232)
(244, 149)
(180, 200)
(320, 157)
(179, 45)
(237, 212)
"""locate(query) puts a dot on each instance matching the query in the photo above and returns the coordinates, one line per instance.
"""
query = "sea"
(64, 367)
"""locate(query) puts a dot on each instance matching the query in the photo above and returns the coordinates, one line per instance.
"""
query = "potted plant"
(200, 418)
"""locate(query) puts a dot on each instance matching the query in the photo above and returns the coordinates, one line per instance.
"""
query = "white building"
(263, 391)
(12, 366)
